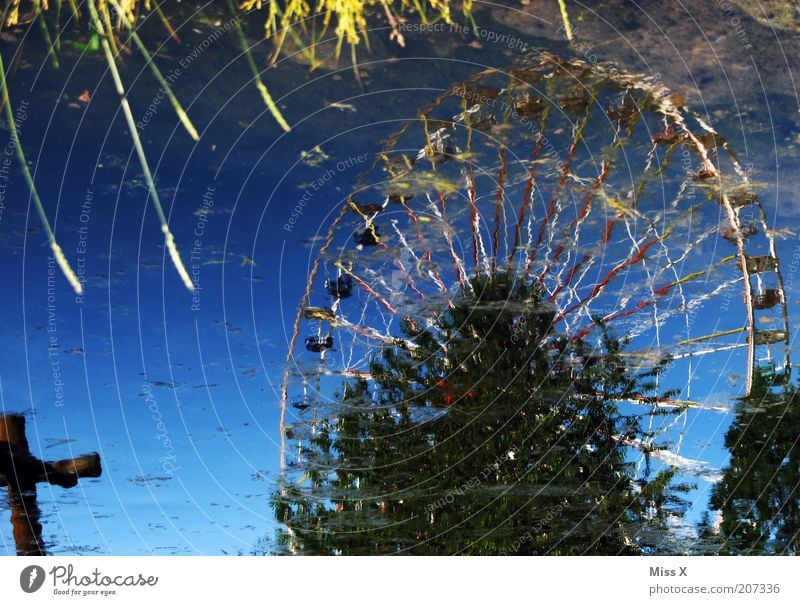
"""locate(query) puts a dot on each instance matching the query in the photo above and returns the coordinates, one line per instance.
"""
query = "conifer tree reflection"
(758, 497)
(506, 439)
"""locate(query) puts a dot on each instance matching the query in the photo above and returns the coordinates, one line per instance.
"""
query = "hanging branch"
(169, 239)
(12, 127)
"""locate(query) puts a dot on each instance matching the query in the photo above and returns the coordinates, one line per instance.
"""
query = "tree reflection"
(757, 499)
(492, 436)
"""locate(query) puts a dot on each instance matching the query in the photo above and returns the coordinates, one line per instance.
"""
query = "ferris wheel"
(624, 208)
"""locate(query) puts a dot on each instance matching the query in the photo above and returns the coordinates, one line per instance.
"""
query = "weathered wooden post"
(21, 471)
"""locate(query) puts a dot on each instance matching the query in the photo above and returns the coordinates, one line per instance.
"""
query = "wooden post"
(21, 471)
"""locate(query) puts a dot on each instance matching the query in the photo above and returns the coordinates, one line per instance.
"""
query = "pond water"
(494, 293)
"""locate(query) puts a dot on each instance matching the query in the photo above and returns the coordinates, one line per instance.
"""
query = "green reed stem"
(137, 143)
(179, 110)
(268, 101)
(565, 18)
(48, 40)
(37, 202)
(167, 25)
(75, 14)
(58, 26)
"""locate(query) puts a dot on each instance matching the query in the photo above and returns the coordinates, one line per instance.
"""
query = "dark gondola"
(315, 344)
(341, 287)
(368, 237)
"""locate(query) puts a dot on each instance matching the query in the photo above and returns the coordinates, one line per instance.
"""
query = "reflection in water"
(757, 498)
(494, 444)
(21, 471)
(511, 327)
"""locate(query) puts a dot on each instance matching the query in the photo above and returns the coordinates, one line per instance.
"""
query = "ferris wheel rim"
(753, 333)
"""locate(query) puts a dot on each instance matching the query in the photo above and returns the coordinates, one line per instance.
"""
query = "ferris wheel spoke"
(553, 206)
(365, 286)
(458, 263)
(573, 233)
(698, 468)
(632, 260)
(664, 290)
(691, 307)
(498, 205)
(527, 196)
(412, 256)
(478, 251)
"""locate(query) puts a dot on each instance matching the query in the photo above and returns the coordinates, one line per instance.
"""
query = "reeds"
(72, 278)
(179, 110)
(169, 239)
(348, 16)
(265, 96)
(565, 18)
(51, 47)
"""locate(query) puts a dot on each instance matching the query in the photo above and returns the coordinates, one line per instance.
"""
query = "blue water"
(179, 393)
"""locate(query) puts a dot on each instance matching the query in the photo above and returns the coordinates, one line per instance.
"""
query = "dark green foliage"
(498, 442)
(759, 495)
